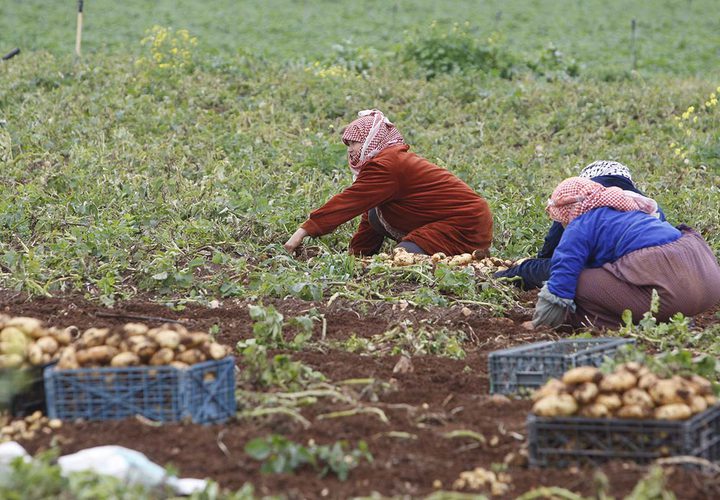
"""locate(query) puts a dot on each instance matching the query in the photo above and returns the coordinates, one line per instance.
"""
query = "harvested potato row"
(478, 259)
(27, 428)
(136, 344)
(25, 342)
(631, 391)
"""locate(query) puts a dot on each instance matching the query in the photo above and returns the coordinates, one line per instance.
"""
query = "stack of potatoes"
(28, 427)
(136, 344)
(478, 259)
(630, 391)
(24, 342)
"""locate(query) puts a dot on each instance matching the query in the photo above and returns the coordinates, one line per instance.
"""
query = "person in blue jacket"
(614, 251)
(535, 271)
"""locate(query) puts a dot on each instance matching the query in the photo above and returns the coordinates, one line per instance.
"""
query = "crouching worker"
(536, 271)
(613, 253)
(399, 195)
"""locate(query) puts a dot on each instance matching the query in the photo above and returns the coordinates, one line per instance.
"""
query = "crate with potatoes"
(588, 416)
(26, 348)
(164, 374)
(521, 370)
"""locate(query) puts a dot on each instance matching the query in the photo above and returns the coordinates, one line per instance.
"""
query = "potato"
(46, 358)
(595, 410)
(47, 344)
(94, 337)
(585, 392)
(11, 360)
(711, 399)
(198, 338)
(461, 260)
(611, 401)
(99, 355)
(11, 335)
(115, 340)
(179, 365)
(666, 392)
(403, 259)
(29, 326)
(68, 359)
(631, 366)
(145, 348)
(125, 359)
(698, 404)
(618, 382)
(216, 351)
(132, 329)
(64, 336)
(555, 406)
(552, 387)
(34, 354)
(581, 374)
(437, 257)
(648, 380)
(162, 357)
(13, 347)
(704, 386)
(632, 411)
(675, 411)
(191, 356)
(480, 254)
(637, 396)
(167, 338)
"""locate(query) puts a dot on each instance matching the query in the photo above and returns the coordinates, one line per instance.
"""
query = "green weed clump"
(281, 455)
(438, 51)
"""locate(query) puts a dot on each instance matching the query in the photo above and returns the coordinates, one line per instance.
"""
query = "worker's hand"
(550, 309)
(296, 240)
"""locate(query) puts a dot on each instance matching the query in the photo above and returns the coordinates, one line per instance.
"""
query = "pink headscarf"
(575, 196)
(375, 132)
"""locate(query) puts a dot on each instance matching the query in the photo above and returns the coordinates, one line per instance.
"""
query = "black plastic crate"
(559, 442)
(525, 368)
(203, 393)
(30, 387)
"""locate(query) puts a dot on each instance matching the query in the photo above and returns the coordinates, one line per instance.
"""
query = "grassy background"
(121, 175)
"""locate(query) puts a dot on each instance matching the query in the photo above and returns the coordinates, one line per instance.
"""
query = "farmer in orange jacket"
(399, 195)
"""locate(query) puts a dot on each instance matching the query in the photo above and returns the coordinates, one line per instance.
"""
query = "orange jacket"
(438, 211)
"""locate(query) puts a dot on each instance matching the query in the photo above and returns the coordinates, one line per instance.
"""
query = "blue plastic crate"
(204, 392)
(560, 442)
(525, 368)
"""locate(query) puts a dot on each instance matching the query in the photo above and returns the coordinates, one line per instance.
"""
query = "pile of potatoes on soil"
(479, 259)
(25, 342)
(631, 391)
(28, 427)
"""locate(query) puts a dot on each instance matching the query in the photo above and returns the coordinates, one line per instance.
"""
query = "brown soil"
(412, 455)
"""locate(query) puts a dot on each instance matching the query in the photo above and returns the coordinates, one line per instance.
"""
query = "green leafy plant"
(262, 370)
(281, 455)
(440, 51)
(405, 339)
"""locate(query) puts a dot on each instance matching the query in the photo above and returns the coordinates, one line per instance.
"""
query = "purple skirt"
(685, 274)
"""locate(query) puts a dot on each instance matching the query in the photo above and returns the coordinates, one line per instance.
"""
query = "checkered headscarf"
(604, 167)
(375, 132)
(576, 196)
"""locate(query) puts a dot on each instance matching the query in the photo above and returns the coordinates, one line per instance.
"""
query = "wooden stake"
(78, 33)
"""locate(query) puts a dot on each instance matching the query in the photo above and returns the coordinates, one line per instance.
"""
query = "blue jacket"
(552, 239)
(600, 236)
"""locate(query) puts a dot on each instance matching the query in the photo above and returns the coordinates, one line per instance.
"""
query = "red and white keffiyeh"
(575, 196)
(375, 132)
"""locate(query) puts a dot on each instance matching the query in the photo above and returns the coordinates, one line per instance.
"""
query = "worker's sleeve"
(375, 185)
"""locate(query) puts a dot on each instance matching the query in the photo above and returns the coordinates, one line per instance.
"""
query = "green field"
(181, 175)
